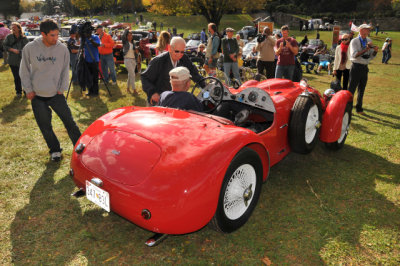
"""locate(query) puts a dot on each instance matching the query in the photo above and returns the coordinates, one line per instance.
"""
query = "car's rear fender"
(333, 116)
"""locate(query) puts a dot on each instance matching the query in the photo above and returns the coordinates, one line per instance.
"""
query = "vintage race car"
(172, 171)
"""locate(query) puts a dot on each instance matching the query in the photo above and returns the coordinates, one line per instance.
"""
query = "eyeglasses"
(345, 39)
(179, 52)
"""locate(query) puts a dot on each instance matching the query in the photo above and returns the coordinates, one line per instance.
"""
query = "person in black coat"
(155, 79)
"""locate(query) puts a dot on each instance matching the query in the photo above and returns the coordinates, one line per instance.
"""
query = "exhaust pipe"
(79, 193)
(156, 239)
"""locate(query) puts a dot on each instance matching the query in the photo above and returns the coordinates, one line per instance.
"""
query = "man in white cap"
(179, 97)
(362, 51)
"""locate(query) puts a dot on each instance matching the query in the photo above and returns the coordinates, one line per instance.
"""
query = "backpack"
(219, 44)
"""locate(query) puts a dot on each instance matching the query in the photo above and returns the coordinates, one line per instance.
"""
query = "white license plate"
(98, 196)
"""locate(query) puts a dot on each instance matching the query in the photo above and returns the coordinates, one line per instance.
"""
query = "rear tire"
(305, 123)
(344, 130)
(239, 192)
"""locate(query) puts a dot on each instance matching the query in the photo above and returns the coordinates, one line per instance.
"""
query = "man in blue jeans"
(106, 55)
(286, 49)
(44, 75)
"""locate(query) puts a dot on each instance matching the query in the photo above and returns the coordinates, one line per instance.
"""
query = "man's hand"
(155, 98)
(15, 51)
(334, 72)
(31, 95)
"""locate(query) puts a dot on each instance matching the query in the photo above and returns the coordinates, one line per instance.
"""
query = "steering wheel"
(211, 93)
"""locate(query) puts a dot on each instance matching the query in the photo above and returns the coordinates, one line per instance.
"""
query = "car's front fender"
(333, 116)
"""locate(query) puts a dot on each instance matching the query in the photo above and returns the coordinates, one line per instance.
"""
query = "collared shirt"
(356, 45)
(174, 64)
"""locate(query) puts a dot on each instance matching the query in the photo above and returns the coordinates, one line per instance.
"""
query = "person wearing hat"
(362, 51)
(106, 55)
(155, 79)
(73, 48)
(386, 51)
(230, 50)
(179, 97)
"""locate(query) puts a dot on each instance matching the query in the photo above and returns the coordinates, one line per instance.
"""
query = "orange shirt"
(108, 43)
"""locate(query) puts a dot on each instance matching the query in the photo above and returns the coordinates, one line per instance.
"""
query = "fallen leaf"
(266, 261)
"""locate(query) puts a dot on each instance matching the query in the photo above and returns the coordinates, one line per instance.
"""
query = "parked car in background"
(252, 32)
(248, 48)
(194, 36)
(191, 47)
(313, 45)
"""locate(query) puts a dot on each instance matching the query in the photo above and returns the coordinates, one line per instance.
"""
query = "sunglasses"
(345, 39)
(179, 52)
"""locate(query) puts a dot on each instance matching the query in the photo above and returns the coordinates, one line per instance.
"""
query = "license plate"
(98, 196)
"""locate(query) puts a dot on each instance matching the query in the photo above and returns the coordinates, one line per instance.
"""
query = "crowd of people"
(41, 68)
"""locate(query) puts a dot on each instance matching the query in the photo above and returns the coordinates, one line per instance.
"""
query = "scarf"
(343, 49)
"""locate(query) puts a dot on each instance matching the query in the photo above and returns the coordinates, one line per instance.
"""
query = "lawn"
(323, 208)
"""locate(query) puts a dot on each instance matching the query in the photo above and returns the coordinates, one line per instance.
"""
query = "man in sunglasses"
(155, 79)
(362, 51)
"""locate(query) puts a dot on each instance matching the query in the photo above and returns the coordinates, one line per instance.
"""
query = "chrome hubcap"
(239, 191)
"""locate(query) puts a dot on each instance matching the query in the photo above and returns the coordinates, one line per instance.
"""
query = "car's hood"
(131, 143)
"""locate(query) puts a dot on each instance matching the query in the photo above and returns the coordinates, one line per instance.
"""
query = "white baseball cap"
(179, 74)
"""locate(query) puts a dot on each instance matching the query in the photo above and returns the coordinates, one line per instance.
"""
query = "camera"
(85, 29)
(365, 56)
(260, 37)
(284, 43)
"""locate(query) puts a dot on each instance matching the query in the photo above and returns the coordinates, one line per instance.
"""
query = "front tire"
(305, 123)
(344, 130)
(239, 192)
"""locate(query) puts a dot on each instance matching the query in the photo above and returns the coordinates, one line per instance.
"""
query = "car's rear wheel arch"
(245, 168)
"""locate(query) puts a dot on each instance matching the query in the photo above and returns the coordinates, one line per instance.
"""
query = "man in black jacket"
(155, 79)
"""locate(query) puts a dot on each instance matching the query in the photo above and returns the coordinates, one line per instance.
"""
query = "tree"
(9, 8)
(212, 10)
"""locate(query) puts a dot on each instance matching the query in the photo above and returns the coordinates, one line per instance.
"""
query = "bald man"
(155, 79)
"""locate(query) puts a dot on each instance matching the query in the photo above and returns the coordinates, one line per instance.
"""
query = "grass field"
(323, 208)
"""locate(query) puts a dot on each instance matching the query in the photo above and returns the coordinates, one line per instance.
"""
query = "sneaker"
(55, 156)
(360, 113)
(114, 83)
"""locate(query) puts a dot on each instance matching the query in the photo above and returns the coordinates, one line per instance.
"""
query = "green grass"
(323, 208)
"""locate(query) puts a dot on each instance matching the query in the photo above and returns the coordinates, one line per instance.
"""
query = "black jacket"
(155, 79)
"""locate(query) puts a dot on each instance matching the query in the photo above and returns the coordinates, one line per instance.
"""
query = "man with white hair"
(362, 51)
(179, 97)
(155, 79)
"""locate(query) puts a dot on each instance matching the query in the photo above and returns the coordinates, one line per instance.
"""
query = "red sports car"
(172, 171)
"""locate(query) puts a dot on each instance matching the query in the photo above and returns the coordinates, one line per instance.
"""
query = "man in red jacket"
(106, 55)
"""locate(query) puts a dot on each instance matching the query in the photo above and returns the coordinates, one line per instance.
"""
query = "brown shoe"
(361, 113)
(135, 93)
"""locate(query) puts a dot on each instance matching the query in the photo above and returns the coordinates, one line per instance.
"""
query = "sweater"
(44, 70)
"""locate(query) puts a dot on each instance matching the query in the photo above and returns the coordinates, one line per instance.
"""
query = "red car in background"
(172, 171)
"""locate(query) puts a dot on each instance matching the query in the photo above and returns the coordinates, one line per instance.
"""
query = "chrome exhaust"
(156, 239)
(79, 193)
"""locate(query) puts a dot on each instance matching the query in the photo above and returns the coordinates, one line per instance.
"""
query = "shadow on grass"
(378, 118)
(307, 202)
(17, 107)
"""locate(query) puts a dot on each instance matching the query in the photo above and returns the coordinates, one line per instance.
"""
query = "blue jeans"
(107, 63)
(235, 70)
(43, 114)
(284, 71)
